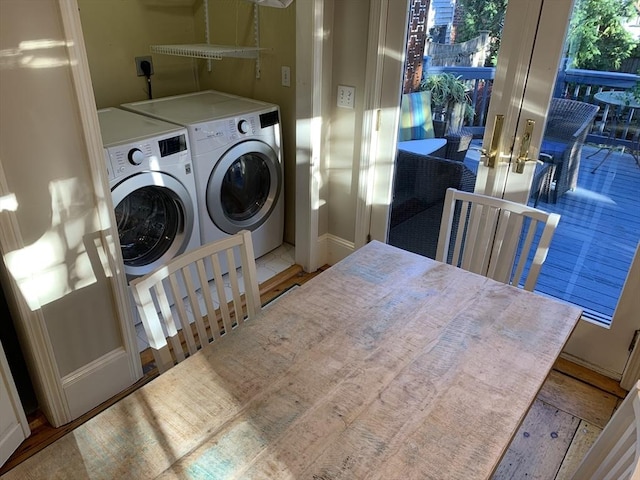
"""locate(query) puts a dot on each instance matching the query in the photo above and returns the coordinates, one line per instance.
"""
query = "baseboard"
(587, 373)
(103, 378)
(332, 249)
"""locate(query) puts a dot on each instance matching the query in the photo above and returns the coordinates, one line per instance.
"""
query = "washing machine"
(153, 188)
(236, 150)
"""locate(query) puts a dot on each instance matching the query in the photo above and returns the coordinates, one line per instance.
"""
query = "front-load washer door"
(154, 214)
(244, 186)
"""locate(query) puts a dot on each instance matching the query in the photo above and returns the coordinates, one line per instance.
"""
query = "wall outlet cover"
(139, 61)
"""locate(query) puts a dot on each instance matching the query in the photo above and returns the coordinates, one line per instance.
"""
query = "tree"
(597, 38)
(481, 15)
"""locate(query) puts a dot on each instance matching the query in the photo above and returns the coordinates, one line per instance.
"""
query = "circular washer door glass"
(148, 219)
(245, 187)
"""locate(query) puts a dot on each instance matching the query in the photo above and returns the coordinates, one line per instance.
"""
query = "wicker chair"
(568, 123)
(420, 186)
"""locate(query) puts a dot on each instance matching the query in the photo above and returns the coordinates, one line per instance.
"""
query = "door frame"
(16, 427)
(63, 399)
(311, 86)
(385, 64)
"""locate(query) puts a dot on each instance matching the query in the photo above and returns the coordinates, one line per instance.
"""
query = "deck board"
(598, 232)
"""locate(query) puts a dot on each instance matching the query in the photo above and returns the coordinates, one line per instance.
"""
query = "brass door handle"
(523, 156)
(492, 154)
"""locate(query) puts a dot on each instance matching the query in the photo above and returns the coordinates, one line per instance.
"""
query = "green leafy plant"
(636, 90)
(450, 102)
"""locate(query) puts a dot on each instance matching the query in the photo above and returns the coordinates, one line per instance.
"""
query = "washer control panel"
(150, 154)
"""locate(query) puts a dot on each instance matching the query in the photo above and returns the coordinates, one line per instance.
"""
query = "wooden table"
(621, 101)
(386, 366)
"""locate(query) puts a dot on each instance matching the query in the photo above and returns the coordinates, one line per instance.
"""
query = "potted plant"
(450, 103)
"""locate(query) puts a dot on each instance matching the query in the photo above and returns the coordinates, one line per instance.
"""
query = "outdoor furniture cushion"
(426, 146)
(415, 116)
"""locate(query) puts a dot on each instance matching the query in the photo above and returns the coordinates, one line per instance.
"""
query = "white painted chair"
(189, 272)
(471, 221)
(615, 455)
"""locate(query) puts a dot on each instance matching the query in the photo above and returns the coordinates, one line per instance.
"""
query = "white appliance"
(236, 149)
(152, 186)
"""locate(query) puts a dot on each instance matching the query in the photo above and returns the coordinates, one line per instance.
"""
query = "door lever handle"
(523, 157)
(492, 154)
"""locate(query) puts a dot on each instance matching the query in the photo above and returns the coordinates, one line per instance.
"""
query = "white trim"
(333, 249)
(96, 382)
(91, 131)
(389, 58)
(11, 434)
(309, 55)
(372, 92)
(632, 370)
(30, 324)
(627, 309)
(591, 366)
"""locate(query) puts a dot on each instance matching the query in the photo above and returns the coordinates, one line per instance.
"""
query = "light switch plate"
(346, 96)
(286, 76)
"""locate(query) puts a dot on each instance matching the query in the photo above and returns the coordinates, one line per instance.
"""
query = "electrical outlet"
(346, 96)
(286, 76)
(139, 61)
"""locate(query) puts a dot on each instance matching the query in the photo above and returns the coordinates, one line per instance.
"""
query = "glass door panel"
(598, 232)
(448, 82)
(592, 175)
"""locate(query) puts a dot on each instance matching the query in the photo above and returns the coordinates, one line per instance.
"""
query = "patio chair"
(417, 125)
(568, 123)
(616, 451)
(419, 189)
(151, 293)
(489, 236)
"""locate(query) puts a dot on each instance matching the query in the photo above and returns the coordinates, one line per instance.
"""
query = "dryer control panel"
(208, 136)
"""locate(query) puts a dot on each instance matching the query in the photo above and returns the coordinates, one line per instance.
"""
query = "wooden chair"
(469, 224)
(186, 276)
(616, 452)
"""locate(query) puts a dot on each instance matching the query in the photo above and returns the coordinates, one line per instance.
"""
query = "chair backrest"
(471, 222)
(569, 120)
(616, 452)
(185, 278)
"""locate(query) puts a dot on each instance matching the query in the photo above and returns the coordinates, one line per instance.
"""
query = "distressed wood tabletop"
(388, 365)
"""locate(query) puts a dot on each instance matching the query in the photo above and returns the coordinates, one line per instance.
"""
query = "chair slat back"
(186, 279)
(502, 240)
(616, 452)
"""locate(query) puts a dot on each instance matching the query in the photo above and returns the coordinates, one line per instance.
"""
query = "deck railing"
(571, 83)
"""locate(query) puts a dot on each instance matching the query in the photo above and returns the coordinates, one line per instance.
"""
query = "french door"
(531, 48)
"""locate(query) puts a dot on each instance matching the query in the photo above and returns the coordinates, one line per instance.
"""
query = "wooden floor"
(571, 409)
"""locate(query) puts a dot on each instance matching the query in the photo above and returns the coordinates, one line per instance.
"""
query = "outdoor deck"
(597, 235)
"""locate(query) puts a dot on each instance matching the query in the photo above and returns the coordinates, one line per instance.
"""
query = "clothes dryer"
(236, 149)
(152, 186)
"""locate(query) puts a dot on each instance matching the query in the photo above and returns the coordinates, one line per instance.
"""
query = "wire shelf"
(206, 51)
